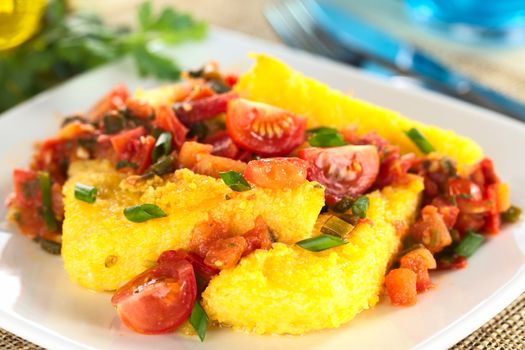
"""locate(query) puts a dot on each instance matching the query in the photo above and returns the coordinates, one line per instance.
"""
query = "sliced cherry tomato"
(166, 119)
(263, 129)
(115, 99)
(277, 173)
(190, 150)
(225, 253)
(223, 145)
(158, 300)
(134, 147)
(464, 188)
(190, 112)
(344, 171)
(401, 286)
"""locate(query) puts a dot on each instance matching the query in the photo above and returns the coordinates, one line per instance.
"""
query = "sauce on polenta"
(251, 203)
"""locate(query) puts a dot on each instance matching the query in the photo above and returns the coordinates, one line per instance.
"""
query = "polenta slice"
(289, 290)
(102, 249)
(271, 81)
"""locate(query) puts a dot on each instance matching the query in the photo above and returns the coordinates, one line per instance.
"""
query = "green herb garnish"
(336, 226)
(49, 246)
(325, 137)
(235, 181)
(85, 193)
(199, 320)
(143, 212)
(126, 164)
(162, 146)
(469, 244)
(343, 205)
(421, 142)
(360, 206)
(164, 165)
(511, 215)
(44, 181)
(321, 242)
(113, 123)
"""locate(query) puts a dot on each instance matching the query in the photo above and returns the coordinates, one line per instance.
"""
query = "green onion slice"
(343, 205)
(337, 227)
(113, 123)
(51, 247)
(126, 164)
(47, 209)
(511, 215)
(325, 137)
(199, 320)
(360, 206)
(235, 181)
(469, 244)
(321, 242)
(143, 212)
(162, 146)
(421, 142)
(85, 193)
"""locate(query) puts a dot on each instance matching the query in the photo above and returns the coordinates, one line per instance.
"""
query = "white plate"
(38, 302)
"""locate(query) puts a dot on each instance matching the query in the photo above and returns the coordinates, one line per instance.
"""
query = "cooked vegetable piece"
(401, 286)
(126, 164)
(336, 226)
(50, 246)
(85, 193)
(277, 173)
(199, 320)
(47, 207)
(512, 214)
(166, 120)
(143, 212)
(469, 244)
(420, 260)
(235, 181)
(420, 141)
(360, 206)
(164, 165)
(202, 109)
(431, 230)
(162, 146)
(321, 242)
(325, 137)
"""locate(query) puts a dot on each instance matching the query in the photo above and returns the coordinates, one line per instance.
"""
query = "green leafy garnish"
(469, 244)
(321, 242)
(336, 226)
(199, 320)
(44, 181)
(164, 165)
(143, 212)
(70, 43)
(235, 181)
(360, 206)
(113, 123)
(162, 146)
(325, 137)
(85, 193)
(511, 215)
(421, 142)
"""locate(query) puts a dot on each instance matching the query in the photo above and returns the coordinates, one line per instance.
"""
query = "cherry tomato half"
(344, 171)
(264, 129)
(158, 300)
(277, 172)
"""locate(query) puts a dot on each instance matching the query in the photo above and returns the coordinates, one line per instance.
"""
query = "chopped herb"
(469, 244)
(162, 146)
(337, 227)
(143, 212)
(126, 164)
(198, 130)
(360, 206)
(321, 242)
(343, 205)
(51, 247)
(199, 320)
(47, 209)
(448, 166)
(85, 193)
(219, 87)
(235, 181)
(164, 165)
(325, 137)
(113, 123)
(421, 142)
(511, 215)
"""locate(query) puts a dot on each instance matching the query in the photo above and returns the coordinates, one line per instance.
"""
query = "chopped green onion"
(421, 142)
(343, 205)
(235, 181)
(469, 244)
(337, 227)
(47, 209)
(143, 212)
(360, 206)
(199, 320)
(198, 130)
(321, 242)
(113, 123)
(165, 165)
(126, 164)
(512, 214)
(85, 193)
(51, 247)
(326, 137)
(162, 146)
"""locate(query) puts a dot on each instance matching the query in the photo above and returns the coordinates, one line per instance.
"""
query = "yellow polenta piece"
(273, 82)
(289, 290)
(102, 249)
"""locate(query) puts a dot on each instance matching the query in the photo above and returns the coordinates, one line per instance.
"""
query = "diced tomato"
(344, 171)
(199, 91)
(225, 253)
(277, 173)
(258, 237)
(121, 141)
(115, 99)
(134, 147)
(464, 187)
(431, 230)
(205, 233)
(456, 263)
(401, 287)
(54, 156)
(223, 145)
(191, 112)
(211, 165)
(166, 119)
(420, 261)
(75, 130)
(201, 269)
(27, 189)
(231, 79)
(158, 300)
(139, 108)
(466, 222)
(448, 212)
(263, 129)
(190, 150)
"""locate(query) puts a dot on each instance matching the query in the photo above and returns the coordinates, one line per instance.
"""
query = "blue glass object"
(476, 21)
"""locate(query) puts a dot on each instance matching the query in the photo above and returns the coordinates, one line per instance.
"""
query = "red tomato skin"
(115, 99)
(401, 287)
(420, 261)
(134, 146)
(258, 237)
(277, 173)
(191, 112)
(265, 130)
(158, 300)
(166, 119)
(200, 268)
(360, 163)
(26, 188)
(225, 253)
(223, 145)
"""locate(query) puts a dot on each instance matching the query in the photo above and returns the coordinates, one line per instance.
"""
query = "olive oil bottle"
(19, 20)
